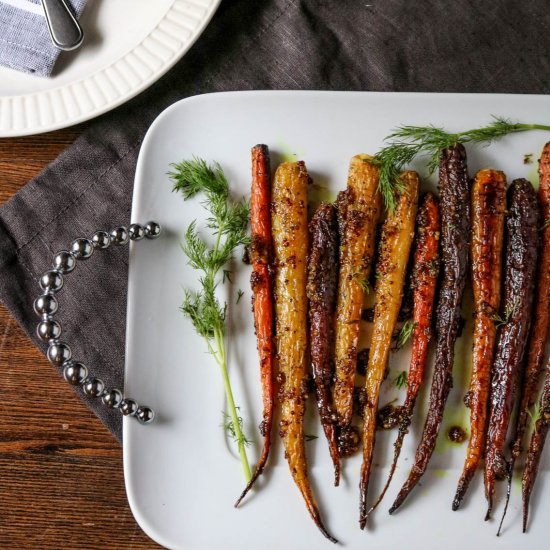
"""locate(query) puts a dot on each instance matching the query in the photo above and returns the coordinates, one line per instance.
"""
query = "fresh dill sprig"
(406, 143)
(362, 281)
(229, 428)
(501, 320)
(535, 415)
(401, 380)
(240, 294)
(405, 333)
(228, 221)
(227, 276)
(545, 224)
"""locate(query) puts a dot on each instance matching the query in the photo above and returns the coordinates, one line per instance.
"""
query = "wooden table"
(61, 480)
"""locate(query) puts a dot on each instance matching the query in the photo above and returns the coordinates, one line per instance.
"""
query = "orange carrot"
(261, 254)
(488, 209)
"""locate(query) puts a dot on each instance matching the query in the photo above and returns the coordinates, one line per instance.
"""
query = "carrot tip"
(458, 499)
(336, 476)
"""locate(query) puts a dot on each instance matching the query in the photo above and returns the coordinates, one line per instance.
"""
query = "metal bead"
(119, 235)
(101, 240)
(64, 261)
(145, 415)
(51, 281)
(152, 230)
(75, 373)
(46, 305)
(93, 387)
(112, 398)
(82, 249)
(48, 329)
(59, 353)
(128, 407)
(136, 232)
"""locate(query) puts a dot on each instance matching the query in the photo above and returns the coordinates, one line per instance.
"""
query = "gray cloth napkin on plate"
(392, 45)
(25, 43)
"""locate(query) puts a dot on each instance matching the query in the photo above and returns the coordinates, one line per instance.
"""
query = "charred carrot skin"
(536, 447)
(539, 329)
(454, 189)
(290, 246)
(358, 212)
(537, 343)
(322, 285)
(488, 210)
(424, 281)
(395, 245)
(522, 237)
(261, 255)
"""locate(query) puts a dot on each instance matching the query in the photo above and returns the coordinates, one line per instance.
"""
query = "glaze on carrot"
(536, 447)
(488, 210)
(424, 282)
(539, 328)
(454, 187)
(358, 212)
(322, 285)
(394, 248)
(290, 247)
(261, 256)
(537, 342)
(522, 237)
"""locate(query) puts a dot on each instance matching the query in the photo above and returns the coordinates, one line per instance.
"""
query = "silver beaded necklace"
(49, 330)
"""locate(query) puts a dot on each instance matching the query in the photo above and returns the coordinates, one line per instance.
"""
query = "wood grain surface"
(61, 478)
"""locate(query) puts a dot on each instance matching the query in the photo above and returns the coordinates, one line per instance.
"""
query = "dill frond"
(501, 320)
(535, 415)
(240, 294)
(404, 335)
(401, 380)
(362, 281)
(228, 221)
(406, 143)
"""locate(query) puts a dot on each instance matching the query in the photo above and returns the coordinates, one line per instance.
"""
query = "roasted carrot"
(542, 424)
(261, 255)
(290, 246)
(322, 285)
(395, 245)
(425, 272)
(539, 328)
(488, 210)
(358, 211)
(454, 188)
(522, 237)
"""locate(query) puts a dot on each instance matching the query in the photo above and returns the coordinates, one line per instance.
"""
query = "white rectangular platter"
(182, 475)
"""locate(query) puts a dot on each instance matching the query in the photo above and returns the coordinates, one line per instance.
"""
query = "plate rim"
(135, 505)
(26, 113)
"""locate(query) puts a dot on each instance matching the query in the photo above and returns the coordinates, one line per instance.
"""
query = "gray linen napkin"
(25, 43)
(395, 45)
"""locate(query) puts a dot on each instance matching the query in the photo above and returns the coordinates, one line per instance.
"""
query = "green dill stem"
(219, 338)
(221, 359)
(521, 126)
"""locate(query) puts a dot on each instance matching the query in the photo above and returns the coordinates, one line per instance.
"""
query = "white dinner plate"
(128, 45)
(182, 476)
